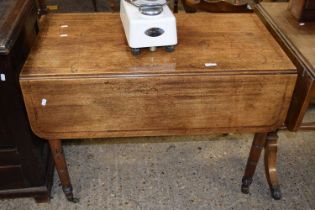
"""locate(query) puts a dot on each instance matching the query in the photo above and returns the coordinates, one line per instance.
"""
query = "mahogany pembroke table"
(227, 74)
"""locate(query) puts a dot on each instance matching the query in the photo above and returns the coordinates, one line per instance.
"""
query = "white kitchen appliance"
(148, 23)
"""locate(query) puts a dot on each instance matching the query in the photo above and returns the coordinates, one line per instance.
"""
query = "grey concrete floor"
(194, 172)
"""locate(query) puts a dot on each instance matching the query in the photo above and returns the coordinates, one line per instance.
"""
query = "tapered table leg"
(270, 165)
(254, 155)
(62, 169)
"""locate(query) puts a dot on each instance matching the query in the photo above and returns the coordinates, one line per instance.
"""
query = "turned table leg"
(270, 165)
(62, 170)
(254, 155)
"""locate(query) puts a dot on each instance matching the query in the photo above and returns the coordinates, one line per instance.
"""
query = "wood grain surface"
(302, 37)
(94, 86)
(87, 44)
(162, 105)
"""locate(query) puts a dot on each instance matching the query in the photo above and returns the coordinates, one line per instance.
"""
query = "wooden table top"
(90, 44)
(301, 36)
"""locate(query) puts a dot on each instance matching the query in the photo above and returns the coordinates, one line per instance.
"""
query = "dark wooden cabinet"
(25, 163)
(303, 10)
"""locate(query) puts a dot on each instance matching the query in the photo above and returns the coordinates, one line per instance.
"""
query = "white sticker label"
(211, 64)
(63, 31)
(44, 102)
(2, 77)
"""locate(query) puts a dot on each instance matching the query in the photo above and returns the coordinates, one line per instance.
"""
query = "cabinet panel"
(310, 4)
(11, 177)
(9, 156)
(5, 140)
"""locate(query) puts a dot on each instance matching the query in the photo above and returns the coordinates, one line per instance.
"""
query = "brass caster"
(246, 182)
